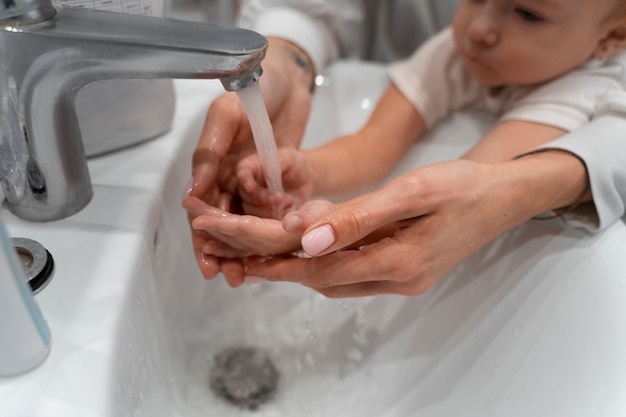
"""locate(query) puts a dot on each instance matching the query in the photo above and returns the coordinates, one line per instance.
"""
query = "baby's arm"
(352, 162)
(511, 138)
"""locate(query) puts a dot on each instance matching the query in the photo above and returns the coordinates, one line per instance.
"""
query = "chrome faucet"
(48, 53)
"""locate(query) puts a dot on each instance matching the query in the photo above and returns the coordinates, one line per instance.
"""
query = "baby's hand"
(297, 180)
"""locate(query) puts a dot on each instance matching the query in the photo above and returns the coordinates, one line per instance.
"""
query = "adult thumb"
(349, 223)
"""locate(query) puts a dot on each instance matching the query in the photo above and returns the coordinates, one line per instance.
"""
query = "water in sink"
(322, 349)
(309, 374)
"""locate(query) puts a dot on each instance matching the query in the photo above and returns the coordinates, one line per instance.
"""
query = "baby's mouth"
(472, 57)
(475, 60)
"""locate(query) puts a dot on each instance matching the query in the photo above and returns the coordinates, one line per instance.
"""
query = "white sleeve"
(572, 100)
(601, 144)
(434, 79)
(324, 29)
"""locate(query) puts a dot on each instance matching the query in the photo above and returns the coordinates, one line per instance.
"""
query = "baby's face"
(522, 42)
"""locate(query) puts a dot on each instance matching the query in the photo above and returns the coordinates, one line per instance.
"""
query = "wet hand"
(226, 138)
(238, 236)
(297, 182)
(440, 215)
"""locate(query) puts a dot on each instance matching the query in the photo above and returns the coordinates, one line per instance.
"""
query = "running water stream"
(252, 101)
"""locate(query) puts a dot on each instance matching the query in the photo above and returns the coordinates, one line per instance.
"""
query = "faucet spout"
(44, 64)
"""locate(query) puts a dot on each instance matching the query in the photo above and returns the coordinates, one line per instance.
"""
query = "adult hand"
(226, 139)
(240, 236)
(443, 213)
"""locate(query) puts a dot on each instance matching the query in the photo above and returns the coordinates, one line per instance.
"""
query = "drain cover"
(37, 262)
(244, 376)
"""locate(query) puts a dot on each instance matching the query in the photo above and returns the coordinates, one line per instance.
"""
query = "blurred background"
(212, 11)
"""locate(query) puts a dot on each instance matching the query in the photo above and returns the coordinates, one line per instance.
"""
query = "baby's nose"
(483, 30)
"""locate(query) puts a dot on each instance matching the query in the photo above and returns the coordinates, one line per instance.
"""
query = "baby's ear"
(614, 41)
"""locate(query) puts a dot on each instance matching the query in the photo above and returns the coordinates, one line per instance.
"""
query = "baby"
(543, 67)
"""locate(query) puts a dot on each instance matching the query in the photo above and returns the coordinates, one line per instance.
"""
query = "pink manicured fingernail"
(318, 239)
(253, 280)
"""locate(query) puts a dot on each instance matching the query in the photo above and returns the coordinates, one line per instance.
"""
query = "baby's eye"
(528, 15)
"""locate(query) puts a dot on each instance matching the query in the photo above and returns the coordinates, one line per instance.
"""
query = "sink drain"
(36, 261)
(244, 376)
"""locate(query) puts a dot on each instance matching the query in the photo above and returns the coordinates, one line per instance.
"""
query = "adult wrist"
(297, 64)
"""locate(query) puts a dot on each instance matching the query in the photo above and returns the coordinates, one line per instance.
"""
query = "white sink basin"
(532, 325)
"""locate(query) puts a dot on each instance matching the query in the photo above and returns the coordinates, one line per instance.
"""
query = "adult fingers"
(381, 261)
(243, 234)
(209, 265)
(238, 225)
(234, 271)
(196, 207)
(355, 220)
(364, 289)
(224, 127)
(222, 250)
